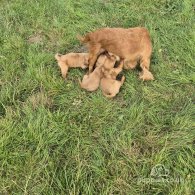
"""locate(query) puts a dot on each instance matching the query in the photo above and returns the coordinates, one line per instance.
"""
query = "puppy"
(132, 44)
(91, 81)
(72, 60)
(112, 72)
(109, 85)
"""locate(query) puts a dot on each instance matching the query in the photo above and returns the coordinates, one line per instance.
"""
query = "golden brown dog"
(132, 44)
(72, 60)
(110, 87)
(91, 81)
(108, 84)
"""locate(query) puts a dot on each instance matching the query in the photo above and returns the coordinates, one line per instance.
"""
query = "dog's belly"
(129, 51)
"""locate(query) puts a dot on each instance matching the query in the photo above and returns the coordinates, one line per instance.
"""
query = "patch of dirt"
(79, 49)
(37, 38)
(39, 99)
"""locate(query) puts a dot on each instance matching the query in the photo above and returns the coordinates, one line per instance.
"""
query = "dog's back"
(120, 41)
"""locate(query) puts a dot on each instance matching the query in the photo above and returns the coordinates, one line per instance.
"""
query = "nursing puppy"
(72, 60)
(109, 85)
(107, 60)
(132, 44)
(91, 81)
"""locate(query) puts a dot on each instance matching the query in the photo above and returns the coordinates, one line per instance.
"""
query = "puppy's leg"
(145, 74)
(64, 70)
(116, 71)
(119, 68)
(129, 64)
(94, 51)
(122, 80)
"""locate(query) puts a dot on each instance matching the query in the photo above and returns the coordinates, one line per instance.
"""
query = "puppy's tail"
(57, 56)
(84, 39)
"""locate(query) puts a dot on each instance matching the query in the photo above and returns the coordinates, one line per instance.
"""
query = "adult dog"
(133, 45)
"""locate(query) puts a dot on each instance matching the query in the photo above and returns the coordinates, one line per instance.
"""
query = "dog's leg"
(94, 51)
(64, 70)
(145, 75)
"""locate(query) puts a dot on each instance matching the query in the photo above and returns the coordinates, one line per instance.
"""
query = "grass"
(58, 139)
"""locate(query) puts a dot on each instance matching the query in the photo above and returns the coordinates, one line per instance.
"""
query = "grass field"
(58, 139)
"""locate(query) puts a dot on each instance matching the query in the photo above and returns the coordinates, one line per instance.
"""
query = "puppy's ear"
(84, 39)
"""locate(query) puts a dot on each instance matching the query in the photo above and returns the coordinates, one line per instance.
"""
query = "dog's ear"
(84, 39)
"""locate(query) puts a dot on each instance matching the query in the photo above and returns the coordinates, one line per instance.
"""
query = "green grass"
(58, 139)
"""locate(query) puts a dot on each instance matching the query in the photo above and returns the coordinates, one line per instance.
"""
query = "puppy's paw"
(64, 76)
(84, 66)
(146, 75)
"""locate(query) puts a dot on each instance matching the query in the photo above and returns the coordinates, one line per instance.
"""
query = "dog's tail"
(57, 56)
(84, 39)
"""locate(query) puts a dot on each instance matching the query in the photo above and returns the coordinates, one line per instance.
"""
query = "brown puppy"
(91, 81)
(105, 61)
(112, 72)
(132, 45)
(109, 85)
(72, 60)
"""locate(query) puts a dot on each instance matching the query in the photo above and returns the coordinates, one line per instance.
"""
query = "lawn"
(58, 139)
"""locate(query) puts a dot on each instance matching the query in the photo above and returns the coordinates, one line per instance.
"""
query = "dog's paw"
(146, 76)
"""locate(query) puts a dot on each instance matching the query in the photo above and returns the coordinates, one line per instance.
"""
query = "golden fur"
(72, 60)
(105, 63)
(109, 85)
(91, 81)
(132, 44)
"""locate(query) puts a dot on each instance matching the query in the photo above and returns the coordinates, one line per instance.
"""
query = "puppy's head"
(113, 56)
(110, 62)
